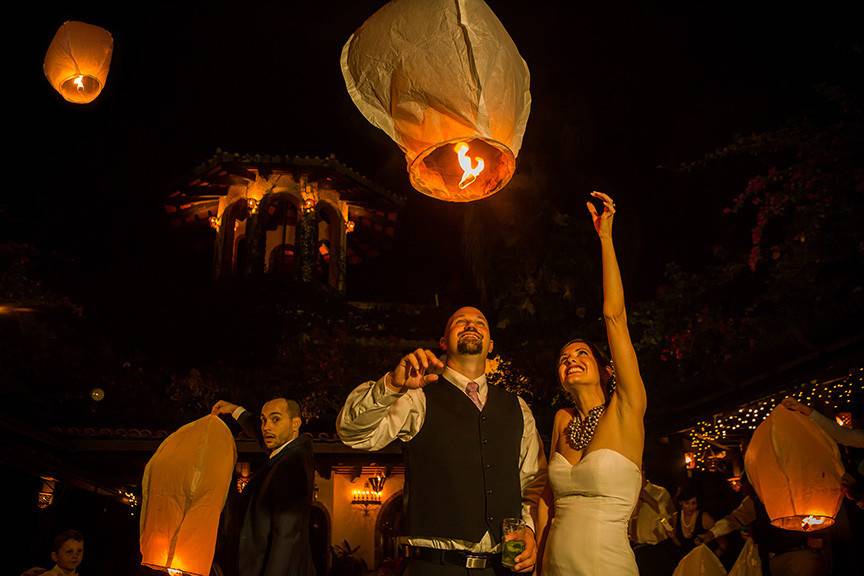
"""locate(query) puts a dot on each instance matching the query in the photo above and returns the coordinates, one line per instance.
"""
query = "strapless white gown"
(593, 503)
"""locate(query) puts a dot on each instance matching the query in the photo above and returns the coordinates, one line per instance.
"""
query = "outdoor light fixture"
(377, 483)
(689, 460)
(349, 226)
(45, 496)
(309, 195)
(371, 496)
(844, 419)
(449, 87)
(243, 476)
(77, 61)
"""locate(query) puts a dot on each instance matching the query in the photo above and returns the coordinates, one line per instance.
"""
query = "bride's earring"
(610, 387)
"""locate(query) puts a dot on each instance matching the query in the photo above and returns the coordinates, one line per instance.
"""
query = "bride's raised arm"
(629, 385)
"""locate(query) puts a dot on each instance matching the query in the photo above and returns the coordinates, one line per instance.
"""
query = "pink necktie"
(471, 390)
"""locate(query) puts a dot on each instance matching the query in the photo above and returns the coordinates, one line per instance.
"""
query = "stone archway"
(282, 260)
(238, 213)
(388, 528)
(279, 217)
(319, 538)
(331, 233)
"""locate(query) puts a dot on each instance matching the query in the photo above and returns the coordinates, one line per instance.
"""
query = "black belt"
(469, 560)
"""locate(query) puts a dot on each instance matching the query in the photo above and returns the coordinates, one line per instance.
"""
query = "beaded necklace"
(688, 527)
(580, 430)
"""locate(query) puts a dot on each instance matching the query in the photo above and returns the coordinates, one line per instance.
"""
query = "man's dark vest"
(463, 465)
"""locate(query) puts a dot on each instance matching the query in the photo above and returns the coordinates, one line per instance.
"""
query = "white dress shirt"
(57, 571)
(743, 515)
(654, 506)
(840, 434)
(374, 416)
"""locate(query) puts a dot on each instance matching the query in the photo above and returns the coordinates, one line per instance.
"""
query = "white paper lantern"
(795, 469)
(184, 489)
(748, 562)
(78, 60)
(700, 561)
(445, 81)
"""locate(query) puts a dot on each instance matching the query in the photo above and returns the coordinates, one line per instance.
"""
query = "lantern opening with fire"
(77, 61)
(795, 468)
(445, 81)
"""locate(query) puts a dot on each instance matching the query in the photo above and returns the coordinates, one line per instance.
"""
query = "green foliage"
(805, 260)
(345, 563)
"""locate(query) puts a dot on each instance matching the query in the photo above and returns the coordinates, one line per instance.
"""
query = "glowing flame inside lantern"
(174, 572)
(809, 521)
(469, 173)
(79, 82)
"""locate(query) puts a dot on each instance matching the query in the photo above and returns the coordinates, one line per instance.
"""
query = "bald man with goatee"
(473, 453)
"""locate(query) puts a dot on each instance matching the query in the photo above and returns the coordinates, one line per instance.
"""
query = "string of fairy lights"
(837, 394)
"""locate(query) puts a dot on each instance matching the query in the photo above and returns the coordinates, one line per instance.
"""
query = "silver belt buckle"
(475, 562)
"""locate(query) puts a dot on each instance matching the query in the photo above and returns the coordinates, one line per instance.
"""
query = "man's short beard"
(470, 346)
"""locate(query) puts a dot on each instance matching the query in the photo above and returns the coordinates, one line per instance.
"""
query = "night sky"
(622, 96)
(623, 93)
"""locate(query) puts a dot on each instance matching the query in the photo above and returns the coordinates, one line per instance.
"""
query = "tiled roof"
(278, 161)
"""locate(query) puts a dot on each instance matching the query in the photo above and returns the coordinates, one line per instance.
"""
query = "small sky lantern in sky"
(78, 60)
(446, 82)
(795, 468)
(183, 491)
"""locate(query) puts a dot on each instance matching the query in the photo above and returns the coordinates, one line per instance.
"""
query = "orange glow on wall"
(796, 470)
(436, 75)
(77, 61)
(184, 488)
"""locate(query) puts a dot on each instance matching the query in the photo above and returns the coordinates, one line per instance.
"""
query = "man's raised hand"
(223, 407)
(415, 370)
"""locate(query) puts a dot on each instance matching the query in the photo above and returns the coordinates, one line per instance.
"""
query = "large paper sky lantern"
(77, 61)
(700, 561)
(795, 468)
(445, 81)
(184, 489)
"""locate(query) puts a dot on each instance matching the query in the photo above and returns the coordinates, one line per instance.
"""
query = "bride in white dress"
(596, 453)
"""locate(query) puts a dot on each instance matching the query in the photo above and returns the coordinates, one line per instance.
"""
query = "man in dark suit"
(266, 527)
